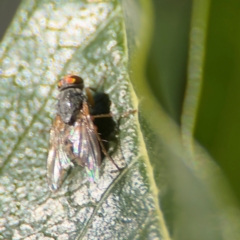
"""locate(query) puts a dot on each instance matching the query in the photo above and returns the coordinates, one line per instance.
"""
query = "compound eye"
(70, 81)
(73, 79)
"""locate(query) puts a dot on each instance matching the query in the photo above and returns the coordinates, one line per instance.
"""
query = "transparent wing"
(58, 163)
(85, 146)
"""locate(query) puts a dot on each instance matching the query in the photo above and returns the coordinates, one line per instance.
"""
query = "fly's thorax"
(70, 102)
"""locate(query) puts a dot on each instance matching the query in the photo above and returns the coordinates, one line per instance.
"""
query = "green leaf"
(217, 125)
(193, 194)
(170, 187)
(46, 41)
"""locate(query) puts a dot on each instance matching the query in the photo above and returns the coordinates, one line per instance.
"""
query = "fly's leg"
(105, 151)
(100, 108)
(122, 115)
(100, 85)
(99, 138)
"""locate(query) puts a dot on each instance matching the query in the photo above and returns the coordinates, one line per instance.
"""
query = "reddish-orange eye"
(73, 79)
(70, 81)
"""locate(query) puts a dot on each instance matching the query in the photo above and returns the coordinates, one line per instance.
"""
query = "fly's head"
(70, 98)
(70, 81)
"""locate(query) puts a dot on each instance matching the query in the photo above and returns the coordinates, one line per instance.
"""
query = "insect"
(74, 136)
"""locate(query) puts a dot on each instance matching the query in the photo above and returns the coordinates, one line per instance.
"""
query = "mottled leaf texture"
(47, 40)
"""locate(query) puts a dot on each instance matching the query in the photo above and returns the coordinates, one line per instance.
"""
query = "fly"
(74, 138)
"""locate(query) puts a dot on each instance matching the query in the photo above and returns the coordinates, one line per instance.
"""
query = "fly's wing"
(85, 146)
(58, 162)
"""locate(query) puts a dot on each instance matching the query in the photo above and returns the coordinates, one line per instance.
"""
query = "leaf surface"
(46, 41)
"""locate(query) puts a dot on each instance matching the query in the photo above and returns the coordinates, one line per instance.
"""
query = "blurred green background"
(218, 115)
(218, 122)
